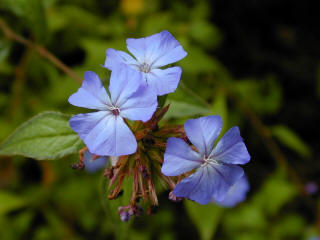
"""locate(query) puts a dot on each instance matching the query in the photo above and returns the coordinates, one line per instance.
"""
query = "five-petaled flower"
(151, 53)
(104, 132)
(216, 169)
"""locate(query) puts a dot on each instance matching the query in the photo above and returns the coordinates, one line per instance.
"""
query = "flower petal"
(91, 94)
(141, 105)
(203, 132)
(231, 148)
(93, 165)
(104, 134)
(124, 141)
(91, 128)
(179, 158)
(164, 81)
(236, 194)
(195, 187)
(208, 181)
(222, 177)
(124, 81)
(157, 50)
(114, 57)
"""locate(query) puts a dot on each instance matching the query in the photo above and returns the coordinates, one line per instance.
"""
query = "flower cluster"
(125, 127)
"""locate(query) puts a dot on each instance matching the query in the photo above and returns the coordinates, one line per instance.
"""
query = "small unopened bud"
(174, 198)
(123, 212)
(126, 212)
(311, 188)
(124, 216)
(77, 166)
(131, 212)
(135, 211)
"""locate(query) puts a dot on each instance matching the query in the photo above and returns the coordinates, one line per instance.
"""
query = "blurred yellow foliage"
(132, 7)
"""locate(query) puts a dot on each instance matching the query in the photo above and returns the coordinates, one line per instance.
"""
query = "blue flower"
(236, 194)
(152, 53)
(216, 169)
(92, 165)
(105, 132)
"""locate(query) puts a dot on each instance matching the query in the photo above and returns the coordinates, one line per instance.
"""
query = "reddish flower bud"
(174, 198)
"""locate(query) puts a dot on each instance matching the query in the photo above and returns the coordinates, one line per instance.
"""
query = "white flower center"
(145, 68)
(114, 110)
(208, 160)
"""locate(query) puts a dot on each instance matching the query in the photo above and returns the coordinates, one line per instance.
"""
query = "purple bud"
(77, 166)
(131, 212)
(124, 216)
(135, 210)
(121, 209)
(311, 188)
(174, 198)
(123, 212)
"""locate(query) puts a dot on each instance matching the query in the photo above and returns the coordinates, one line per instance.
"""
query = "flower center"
(208, 160)
(145, 68)
(115, 110)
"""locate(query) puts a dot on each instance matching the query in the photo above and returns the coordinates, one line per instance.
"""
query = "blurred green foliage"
(48, 200)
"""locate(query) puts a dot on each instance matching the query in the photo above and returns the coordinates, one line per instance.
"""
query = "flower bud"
(124, 216)
(174, 198)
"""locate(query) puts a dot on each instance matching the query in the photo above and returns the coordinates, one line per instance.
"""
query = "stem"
(18, 84)
(42, 51)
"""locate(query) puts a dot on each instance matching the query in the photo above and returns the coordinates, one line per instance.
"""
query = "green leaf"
(205, 33)
(263, 95)
(181, 109)
(219, 107)
(199, 60)
(249, 216)
(45, 136)
(287, 137)
(289, 227)
(70, 16)
(275, 193)
(201, 10)
(9, 202)
(156, 23)
(205, 217)
(251, 236)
